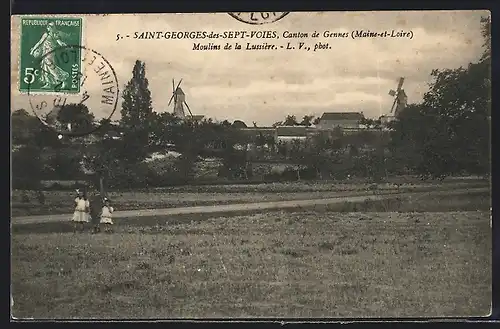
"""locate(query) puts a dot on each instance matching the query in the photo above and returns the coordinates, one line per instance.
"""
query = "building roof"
(291, 131)
(342, 116)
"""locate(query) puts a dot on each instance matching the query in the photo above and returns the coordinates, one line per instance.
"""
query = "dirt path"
(239, 207)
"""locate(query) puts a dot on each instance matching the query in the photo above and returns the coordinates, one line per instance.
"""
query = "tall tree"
(136, 113)
(449, 132)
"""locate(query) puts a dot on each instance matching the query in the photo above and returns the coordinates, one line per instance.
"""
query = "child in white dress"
(81, 214)
(106, 216)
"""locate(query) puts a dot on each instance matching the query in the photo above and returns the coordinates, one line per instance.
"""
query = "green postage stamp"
(50, 55)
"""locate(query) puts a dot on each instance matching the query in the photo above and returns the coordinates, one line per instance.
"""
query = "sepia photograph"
(251, 165)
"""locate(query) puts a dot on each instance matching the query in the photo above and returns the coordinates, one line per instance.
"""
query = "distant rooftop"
(342, 116)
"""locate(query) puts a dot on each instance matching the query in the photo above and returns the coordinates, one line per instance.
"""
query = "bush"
(308, 174)
(26, 168)
(164, 172)
(290, 175)
(129, 176)
(173, 178)
(63, 187)
(64, 165)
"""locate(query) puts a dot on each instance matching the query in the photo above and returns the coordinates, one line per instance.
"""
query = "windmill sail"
(400, 97)
(173, 93)
(190, 113)
(393, 104)
(400, 84)
(402, 101)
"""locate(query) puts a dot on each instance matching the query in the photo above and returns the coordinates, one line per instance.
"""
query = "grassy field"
(25, 203)
(324, 263)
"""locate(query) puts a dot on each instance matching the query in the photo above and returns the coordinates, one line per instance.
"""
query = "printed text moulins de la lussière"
(242, 34)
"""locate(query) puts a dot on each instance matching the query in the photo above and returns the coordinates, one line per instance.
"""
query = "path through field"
(243, 207)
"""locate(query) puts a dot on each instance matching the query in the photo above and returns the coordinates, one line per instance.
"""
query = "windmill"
(400, 98)
(179, 99)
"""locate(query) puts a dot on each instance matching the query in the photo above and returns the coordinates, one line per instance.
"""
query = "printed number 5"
(29, 75)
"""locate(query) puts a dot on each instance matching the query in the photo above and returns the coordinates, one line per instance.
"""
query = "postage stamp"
(43, 40)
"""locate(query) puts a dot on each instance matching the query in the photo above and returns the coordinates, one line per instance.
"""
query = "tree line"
(446, 134)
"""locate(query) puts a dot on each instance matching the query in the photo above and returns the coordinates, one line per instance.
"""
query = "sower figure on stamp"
(51, 74)
(81, 214)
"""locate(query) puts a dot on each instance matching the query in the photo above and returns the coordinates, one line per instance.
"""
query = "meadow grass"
(275, 264)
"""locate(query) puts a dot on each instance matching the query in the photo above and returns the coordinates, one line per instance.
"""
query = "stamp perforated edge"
(83, 43)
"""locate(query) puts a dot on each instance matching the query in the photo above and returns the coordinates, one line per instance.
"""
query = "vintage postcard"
(251, 165)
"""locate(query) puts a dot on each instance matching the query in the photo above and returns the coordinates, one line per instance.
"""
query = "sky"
(264, 86)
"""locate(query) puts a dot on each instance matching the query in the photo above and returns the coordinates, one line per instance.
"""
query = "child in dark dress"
(95, 211)
(81, 213)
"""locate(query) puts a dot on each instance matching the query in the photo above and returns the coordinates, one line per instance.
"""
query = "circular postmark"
(258, 18)
(80, 89)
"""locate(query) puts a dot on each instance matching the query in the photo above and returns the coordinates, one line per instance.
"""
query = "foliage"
(307, 120)
(64, 163)
(78, 115)
(163, 173)
(193, 139)
(370, 123)
(233, 146)
(24, 127)
(164, 128)
(449, 132)
(27, 167)
(105, 159)
(238, 124)
(290, 120)
(486, 33)
(136, 113)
